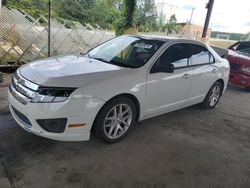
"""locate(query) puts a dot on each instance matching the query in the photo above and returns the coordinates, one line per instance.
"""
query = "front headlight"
(246, 70)
(48, 95)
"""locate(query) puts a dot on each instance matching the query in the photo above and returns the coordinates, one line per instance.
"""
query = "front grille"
(19, 85)
(22, 117)
(22, 89)
(235, 66)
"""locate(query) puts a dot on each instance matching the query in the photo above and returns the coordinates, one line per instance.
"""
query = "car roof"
(167, 39)
(157, 37)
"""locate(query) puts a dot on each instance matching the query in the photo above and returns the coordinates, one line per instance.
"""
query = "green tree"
(84, 11)
(33, 7)
(110, 14)
(79, 10)
(161, 21)
(127, 20)
(147, 15)
(172, 26)
(106, 13)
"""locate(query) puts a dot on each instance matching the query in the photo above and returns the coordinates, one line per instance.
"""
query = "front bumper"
(77, 111)
(239, 79)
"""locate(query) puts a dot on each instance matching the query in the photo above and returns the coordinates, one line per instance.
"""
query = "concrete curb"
(4, 181)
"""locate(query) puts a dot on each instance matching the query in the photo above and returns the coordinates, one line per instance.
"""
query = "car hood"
(234, 57)
(69, 71)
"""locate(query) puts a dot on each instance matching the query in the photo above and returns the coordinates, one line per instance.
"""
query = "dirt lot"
(186, 148)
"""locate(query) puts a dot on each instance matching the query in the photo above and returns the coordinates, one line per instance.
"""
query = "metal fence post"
(49, 25)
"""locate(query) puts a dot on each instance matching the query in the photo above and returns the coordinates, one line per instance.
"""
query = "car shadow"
(236, 88)
(27, 143)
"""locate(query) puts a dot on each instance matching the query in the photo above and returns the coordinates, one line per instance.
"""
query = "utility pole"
(209, 7)
(49, 27)
(1, 4)
(190, 22)
(191, 17)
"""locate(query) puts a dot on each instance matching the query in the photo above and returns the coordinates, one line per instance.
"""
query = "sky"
(227, 15)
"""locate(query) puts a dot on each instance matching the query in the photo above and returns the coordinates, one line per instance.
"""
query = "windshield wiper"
(122, 64)
(112, 62)
(99, 59)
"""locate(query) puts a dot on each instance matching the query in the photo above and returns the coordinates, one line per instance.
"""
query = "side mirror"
(163, 68)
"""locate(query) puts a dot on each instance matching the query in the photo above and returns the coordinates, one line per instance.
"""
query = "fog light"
(53, 125)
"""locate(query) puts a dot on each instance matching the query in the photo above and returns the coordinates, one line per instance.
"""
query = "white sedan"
(111, 87)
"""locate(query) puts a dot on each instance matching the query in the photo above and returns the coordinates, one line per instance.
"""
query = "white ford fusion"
(105, 91)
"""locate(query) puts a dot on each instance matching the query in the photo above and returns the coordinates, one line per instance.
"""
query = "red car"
(239, 58)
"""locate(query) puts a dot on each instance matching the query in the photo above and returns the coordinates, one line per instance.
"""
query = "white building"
(166, 8)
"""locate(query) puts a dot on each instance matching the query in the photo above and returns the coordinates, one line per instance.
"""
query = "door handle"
(186, 76)
(214, 71)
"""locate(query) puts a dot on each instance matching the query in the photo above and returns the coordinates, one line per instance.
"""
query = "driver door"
(169, 91)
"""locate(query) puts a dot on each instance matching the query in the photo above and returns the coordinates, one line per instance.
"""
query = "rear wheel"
(115, 120)
(213, 96)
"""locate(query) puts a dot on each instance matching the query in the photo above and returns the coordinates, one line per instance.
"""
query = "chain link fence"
(24, 39)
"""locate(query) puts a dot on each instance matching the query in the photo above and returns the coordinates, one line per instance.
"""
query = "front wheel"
(213, 96)
(115, 120)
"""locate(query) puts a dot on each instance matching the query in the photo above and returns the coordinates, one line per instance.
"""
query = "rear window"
(200, 55)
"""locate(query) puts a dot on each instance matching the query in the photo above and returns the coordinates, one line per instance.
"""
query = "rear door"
(204, 73)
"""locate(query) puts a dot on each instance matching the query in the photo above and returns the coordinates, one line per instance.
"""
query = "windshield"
(126, 51)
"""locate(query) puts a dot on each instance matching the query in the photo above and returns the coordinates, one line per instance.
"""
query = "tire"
(111, 120)
(213, 96)
(247, 88)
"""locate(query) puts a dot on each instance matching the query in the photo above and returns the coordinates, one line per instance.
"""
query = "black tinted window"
(176, 54)
(243, 48)
(200, 55)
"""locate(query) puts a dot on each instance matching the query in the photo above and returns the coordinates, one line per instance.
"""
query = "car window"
(200, 55)
(177, 54)
(245, 49)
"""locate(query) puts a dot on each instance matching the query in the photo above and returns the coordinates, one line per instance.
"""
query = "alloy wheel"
(215, 95)
(117, 121)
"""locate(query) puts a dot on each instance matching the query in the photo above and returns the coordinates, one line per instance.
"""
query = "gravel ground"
(186, 148)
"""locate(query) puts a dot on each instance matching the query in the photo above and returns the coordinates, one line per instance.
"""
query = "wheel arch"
(133, 98)
(128, 95)
(222, 83)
